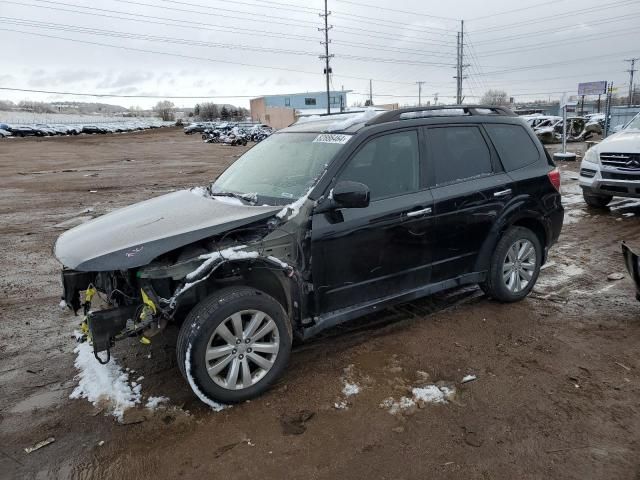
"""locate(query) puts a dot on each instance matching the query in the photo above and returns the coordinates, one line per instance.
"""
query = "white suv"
(612, 168)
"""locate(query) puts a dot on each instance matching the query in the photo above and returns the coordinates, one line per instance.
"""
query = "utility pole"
(370, 93)
(326, 56)
(420, 93)
(460, 66)
(458, 69)
(631, 71)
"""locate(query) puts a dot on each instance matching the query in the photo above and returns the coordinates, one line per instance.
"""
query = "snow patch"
(468, 378)
(350, 389)
(228, 200)
(278, 261)
(231, 253)
(215, 406)
(351, 120)
(101, 384)
(292, 210)
(420, 395)
(155, 402)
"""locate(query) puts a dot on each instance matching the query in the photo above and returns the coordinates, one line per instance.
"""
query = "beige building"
(275, 117)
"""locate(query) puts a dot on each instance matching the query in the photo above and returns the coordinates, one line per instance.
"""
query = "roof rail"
(438, 111)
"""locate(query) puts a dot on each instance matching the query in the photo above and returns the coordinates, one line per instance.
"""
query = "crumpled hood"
(133, 236)
(627, 141)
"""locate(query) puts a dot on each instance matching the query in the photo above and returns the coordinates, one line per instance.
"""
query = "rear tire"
(515, 265)
(210, 337)
(597, 201)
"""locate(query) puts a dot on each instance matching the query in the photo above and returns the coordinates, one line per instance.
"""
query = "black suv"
(322, 222)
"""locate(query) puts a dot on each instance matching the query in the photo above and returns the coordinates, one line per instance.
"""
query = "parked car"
(92, 129)
(320, 223)
(195, 128)
(612, 167)
(25, 131)
(46, 130)
(4, 133)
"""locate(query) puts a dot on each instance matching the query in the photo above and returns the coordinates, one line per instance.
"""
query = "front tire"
(234, 344)
(597, 201)
(515, 265)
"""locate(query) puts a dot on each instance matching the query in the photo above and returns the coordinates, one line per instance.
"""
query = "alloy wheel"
(519, 265)
(242, 349)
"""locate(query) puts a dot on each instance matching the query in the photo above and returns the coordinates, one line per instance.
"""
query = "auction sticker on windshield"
(332, 138)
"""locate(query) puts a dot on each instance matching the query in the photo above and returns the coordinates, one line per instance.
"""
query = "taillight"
(554, 178)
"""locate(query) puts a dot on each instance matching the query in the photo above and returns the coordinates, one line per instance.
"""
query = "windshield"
(281, 168)
(634, 124)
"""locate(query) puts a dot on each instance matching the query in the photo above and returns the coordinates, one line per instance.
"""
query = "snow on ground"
(104, 384)
(558, 275)
(420, 396)
(155, 402)
(350, 389)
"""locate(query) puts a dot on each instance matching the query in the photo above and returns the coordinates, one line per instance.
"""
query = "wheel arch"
(531, 220)
(280, 283)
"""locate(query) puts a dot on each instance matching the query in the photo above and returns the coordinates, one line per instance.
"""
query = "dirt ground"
(557, 393)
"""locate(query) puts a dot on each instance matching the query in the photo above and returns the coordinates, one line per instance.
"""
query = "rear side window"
(514, 145)
(458, 153)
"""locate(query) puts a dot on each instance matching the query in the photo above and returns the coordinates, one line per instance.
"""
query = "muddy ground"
(557, 393)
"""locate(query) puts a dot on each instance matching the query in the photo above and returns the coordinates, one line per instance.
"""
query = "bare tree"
(165, 110)
(495, 97)
(208, 111)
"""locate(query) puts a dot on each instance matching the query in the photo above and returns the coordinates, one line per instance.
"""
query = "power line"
(114, 95)
(273, 19)
(395, 10)
(182, 41)
(94, 12)
(578, 39)
(603, 6)
(190, 57)
(153, 38)
(149, 19)
(562, 63)
(506, 12)
(564, 28)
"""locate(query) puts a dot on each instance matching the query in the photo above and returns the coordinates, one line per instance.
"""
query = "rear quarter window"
(514, 145)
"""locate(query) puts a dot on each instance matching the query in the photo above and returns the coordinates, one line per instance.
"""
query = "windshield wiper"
(247, 197)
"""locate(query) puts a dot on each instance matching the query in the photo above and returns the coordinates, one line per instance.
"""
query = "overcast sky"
(208, 48)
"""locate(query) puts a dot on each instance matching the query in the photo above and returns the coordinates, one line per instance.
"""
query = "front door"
(363, 254)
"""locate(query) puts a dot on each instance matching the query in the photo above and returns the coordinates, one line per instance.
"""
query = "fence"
(17, 118)
(622, 115)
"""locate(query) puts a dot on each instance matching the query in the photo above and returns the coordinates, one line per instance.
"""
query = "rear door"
(470, 191)
(363, 254)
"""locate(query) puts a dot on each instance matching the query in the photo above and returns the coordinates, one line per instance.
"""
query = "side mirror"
(351, 195)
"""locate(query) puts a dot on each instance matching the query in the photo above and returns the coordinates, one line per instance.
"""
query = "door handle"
(502, 193)
(417, 213)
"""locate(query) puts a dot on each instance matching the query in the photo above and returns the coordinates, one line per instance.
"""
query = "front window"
(309, 101)
(634, 124)
(281, 168)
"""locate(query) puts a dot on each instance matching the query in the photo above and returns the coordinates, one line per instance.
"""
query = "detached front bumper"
(632, 262)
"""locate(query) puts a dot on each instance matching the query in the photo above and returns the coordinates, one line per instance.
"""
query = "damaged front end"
(141, 301)
(130, 308)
